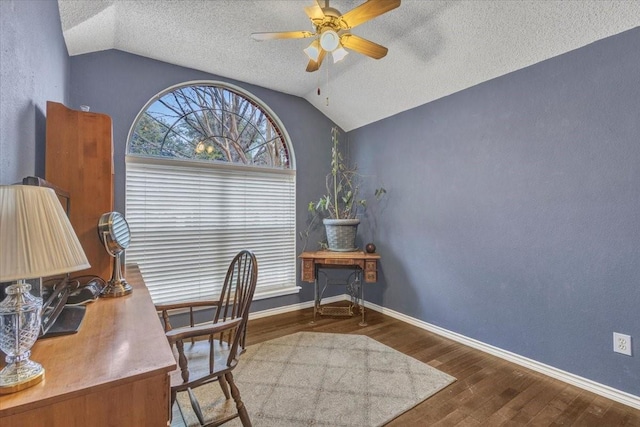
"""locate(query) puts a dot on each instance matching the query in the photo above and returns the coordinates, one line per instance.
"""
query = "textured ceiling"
(435, 47)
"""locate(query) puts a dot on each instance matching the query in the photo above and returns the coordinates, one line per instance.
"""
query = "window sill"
(272, 293)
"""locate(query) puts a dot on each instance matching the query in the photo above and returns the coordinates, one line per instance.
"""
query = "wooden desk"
(358, 261)
(113, 372)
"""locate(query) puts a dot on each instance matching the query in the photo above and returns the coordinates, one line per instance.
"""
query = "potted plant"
(340, 205)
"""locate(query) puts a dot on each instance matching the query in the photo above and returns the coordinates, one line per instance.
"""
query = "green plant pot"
(341, 234)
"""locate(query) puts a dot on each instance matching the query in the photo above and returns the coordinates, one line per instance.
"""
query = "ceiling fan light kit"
(313, 50)
(332, 31)
(339, 54)
(329, 40)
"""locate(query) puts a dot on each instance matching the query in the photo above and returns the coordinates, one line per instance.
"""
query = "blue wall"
(34, 69)
(513, 214)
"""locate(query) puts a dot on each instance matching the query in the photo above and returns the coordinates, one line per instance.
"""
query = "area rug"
(321, 379)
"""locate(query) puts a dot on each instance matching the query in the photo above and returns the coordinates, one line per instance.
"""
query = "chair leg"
(242, 410)
(224, 386)
(196, 406)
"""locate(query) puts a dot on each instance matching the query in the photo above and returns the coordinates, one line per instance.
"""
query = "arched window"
(209, 171)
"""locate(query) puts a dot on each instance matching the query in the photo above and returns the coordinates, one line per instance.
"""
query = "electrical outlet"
(622, 343)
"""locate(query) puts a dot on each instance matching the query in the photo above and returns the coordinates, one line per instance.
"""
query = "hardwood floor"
(488, 392)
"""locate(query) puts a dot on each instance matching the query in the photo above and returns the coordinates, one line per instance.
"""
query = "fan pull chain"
(319, 92)
(328, 91)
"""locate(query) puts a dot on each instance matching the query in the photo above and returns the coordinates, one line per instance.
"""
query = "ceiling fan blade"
(363, 46)
(315, 66)
(282, 35)
(314, 12)
(367, 11)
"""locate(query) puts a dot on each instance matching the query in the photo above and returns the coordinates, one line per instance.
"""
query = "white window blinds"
(188, 220)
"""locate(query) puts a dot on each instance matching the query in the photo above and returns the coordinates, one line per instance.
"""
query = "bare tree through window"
(209, 123)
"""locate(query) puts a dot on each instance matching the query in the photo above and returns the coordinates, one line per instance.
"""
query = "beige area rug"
(322, 379)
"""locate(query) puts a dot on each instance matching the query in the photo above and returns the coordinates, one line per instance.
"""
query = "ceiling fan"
(332, 31)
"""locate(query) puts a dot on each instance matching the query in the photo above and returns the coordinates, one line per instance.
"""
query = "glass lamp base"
(20, 375)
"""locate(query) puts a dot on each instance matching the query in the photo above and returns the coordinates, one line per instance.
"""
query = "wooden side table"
(360, 262)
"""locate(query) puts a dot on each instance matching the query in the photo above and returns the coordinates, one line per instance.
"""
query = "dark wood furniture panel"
(79, 158)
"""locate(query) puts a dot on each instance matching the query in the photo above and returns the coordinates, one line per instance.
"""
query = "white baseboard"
(567, 377)
(294, 307)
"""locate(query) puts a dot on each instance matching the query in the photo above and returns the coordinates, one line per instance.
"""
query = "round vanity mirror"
(114, 234)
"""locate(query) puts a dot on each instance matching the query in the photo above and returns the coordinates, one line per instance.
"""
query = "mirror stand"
(117, 286)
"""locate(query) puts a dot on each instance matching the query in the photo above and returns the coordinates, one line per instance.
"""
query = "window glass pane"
(209, 173)
(208, 122)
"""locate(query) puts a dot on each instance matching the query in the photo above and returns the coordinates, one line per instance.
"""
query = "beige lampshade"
(36, 237)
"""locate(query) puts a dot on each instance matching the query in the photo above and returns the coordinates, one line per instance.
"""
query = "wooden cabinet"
(79, 159)
(113, 372)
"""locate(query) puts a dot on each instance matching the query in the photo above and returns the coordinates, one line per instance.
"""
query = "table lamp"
(36, 240)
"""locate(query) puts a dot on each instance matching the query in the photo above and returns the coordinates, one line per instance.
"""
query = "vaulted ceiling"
(436, 48)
